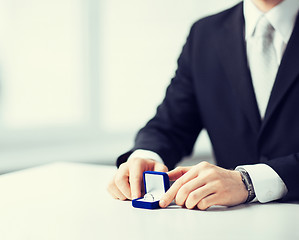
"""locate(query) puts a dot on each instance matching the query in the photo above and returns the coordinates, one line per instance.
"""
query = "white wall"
(78, 78)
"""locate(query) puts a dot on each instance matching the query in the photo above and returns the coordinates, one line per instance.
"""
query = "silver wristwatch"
(248, 184)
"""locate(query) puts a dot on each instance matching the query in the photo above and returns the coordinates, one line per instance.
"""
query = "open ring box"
(155, 185)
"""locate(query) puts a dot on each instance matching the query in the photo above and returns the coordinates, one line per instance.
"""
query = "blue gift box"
(155, 185)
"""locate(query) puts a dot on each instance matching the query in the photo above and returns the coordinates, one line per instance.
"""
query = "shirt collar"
(282, 17)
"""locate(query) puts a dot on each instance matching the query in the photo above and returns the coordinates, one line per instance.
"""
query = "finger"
(115, 192)
(113, 196)
(187, 189)
(207, 202)
(197, 195)
(135, 179)
(122, 181)
(169, 196)
(177, 173)
(159, 167)
(110, 189)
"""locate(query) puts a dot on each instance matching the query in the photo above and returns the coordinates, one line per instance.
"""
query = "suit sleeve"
(172, 132)
(288, 169)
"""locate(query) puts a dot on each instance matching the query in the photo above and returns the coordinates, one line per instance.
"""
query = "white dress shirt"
(267, 184)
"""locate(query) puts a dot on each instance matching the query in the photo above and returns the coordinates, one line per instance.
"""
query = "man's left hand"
(203, 186)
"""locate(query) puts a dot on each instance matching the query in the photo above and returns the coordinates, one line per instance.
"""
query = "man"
(237, 77)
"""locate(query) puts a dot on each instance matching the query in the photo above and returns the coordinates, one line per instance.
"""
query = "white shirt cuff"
(141, 153)
(268, 185)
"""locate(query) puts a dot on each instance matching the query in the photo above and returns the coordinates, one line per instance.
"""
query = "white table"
(66, 201)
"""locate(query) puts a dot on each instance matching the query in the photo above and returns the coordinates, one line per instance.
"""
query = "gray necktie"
(263, 63)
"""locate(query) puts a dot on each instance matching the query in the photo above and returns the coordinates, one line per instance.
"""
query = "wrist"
(146, 154)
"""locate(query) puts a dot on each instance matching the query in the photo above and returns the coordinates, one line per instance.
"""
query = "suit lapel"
(233, 55)
(286, 75)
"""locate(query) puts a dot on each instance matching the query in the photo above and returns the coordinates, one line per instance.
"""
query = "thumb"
(177, 173)
(160, 167)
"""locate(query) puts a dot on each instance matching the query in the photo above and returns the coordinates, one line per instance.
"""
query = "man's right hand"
(127, 182)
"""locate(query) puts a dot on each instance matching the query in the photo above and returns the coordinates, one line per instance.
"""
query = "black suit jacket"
(212, 89)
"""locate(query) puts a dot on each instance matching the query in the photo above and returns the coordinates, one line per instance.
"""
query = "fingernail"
(162, 203)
